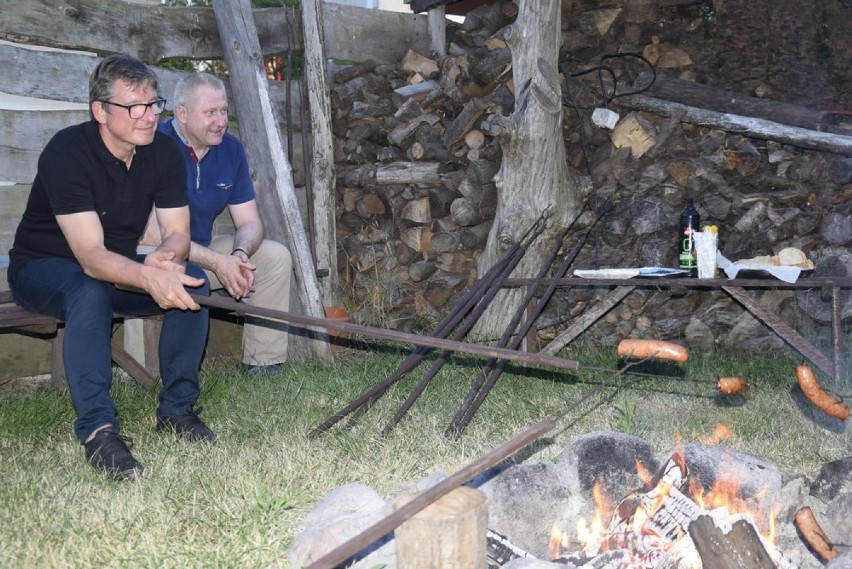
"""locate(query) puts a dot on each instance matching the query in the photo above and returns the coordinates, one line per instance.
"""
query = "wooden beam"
(276, 194)
(322, 174)
(157, 33)
(748, 126)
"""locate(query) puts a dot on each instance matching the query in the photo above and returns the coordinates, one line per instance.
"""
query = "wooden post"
(437, 24)
(450, 533)
(276, 193)
(528, 189)
(322, 172)
(141, 341)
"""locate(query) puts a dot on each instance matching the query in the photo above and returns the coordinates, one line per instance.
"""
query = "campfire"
(726, 513)
(612, 503)
(671, 522)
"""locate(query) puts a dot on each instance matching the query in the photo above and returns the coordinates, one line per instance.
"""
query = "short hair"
(119, 68)
(189, 84)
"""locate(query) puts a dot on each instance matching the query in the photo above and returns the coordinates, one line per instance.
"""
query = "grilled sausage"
(733, 384)
(652, 349)
(822, 399)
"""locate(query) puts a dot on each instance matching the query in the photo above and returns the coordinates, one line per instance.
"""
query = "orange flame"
(558, 540)
(720, 433)
(725, 493)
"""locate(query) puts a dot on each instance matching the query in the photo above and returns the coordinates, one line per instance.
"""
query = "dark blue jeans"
(58, 287)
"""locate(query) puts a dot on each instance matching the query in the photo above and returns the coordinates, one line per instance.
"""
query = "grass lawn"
(240, 503)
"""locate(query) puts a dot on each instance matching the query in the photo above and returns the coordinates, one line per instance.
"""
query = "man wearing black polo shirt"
(74, 257)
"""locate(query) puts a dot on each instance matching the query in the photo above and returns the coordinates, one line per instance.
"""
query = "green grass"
(240, 503)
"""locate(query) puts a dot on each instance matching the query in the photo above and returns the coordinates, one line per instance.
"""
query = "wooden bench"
(16, 319)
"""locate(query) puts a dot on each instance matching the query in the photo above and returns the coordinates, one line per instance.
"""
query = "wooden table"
(738, 289)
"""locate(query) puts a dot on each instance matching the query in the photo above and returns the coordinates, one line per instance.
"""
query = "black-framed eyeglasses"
(138, 110)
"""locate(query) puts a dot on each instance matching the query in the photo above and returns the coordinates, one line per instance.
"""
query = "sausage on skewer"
(822, 399)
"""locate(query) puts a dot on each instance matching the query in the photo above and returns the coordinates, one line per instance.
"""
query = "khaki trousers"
(264, 339)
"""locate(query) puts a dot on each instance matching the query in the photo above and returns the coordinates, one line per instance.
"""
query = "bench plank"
(13, 317)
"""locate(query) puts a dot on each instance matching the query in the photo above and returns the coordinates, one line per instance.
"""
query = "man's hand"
(236, 273)
(164, 260)
(166, 287)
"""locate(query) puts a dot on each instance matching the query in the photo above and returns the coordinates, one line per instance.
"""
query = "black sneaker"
(110, 452)
(188, 426)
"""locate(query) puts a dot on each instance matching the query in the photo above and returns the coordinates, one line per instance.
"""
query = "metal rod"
(454, 426)
(427, 497)
(484, 386)
(227, 303)
(444, 327)
(459, 333)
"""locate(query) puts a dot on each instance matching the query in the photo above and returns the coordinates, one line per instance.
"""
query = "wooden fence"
(48, 51)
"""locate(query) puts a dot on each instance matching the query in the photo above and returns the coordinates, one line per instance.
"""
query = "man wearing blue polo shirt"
(245, 264)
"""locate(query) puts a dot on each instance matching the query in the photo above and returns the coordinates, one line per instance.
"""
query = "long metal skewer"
(227, 303)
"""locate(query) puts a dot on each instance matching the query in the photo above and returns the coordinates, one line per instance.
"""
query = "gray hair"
(188, 85)
(116, 68)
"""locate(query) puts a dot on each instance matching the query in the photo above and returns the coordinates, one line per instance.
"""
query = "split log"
(417, 91)
(444, 242)
(474, 139)
(401, 132)
(486, 71)
(463, 122)
(475, 236)
(366, 258)
(421, 270)
(362, 110)
(635, 133)
(449, 533)
(717, 550)
(343, 95)
(349, 73)
(417, 238)
(417, 63)
(417, 211)
(441, 287)
(460, 262)
(371, 205)
(466, 214)
(409, 173)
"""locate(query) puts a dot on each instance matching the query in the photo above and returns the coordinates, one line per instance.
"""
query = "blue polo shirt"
(221, 178)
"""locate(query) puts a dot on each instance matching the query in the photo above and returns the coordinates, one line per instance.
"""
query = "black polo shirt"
(77, 173)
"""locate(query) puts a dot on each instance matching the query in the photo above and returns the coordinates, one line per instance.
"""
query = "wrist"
(236, 249)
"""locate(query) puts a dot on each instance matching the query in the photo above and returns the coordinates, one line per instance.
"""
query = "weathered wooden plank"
(358, 34)
(749, 126)
(787, 333)
(152, 33)
(13, 201)
(157, 33)
(24, 134)
(582, 323)
(64, 76)
(322, 175)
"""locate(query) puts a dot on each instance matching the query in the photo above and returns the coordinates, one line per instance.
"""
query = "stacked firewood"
(415, 168)
(416, 163)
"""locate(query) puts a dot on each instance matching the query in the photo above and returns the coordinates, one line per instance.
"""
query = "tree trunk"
(322, 164)
(276, 193)
(534, 179)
